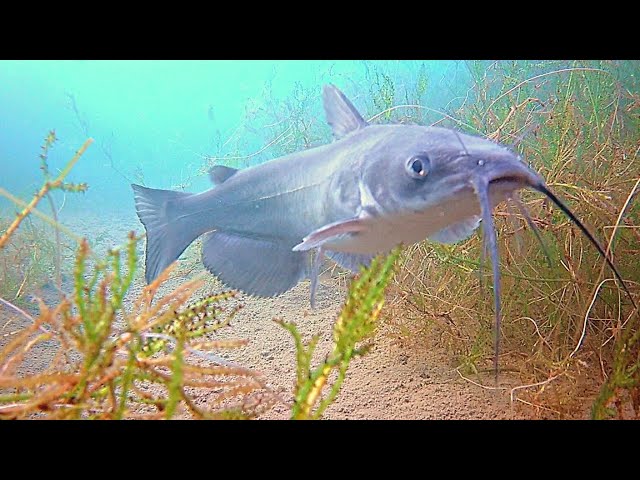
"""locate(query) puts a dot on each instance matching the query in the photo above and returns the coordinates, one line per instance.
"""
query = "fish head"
(418, 169)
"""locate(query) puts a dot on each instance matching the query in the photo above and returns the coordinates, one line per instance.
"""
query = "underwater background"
(569, 330)
(155, 122)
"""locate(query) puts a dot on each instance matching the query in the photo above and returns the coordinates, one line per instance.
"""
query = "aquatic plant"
(105, 145)
(47, 186)
(381, 91)
(26, 260)
(107, 361)
(271, 127)
(25, 257)
(110, 362)
(623, 384)
(356, 324)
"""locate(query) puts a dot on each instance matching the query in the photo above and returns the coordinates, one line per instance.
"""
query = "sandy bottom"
(403, 377)
(396, 380)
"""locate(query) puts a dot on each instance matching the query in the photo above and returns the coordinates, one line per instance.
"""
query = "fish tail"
(167, 236)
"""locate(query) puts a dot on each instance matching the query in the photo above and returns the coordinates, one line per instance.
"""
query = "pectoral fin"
(324, 234)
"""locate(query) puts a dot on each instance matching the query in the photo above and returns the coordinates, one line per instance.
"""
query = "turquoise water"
(156, 122)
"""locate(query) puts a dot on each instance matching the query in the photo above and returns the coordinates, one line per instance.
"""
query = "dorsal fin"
(341, 114)
(220, 174)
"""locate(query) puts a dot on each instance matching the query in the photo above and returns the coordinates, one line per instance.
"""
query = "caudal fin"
(167, 237)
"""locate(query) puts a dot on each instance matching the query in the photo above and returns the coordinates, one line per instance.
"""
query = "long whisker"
(511, 218)
(574, 219)
(483, 256)
(523, 211)
(518, 140)
(489, 236)
(314, 273)
(461, 142)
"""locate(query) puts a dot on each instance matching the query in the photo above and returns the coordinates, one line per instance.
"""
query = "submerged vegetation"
(356, 324)
(108, 362)
(27, 256)
(99, 358)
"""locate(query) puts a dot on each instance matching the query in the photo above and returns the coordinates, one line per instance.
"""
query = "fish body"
(285, 199)
(350, 199)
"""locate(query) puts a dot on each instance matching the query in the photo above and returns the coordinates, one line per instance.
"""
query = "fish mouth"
(504, 187)
(514, 177)
(511, 180)
(504, 174)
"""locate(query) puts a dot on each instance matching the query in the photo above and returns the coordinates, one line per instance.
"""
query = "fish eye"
(418, 166)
